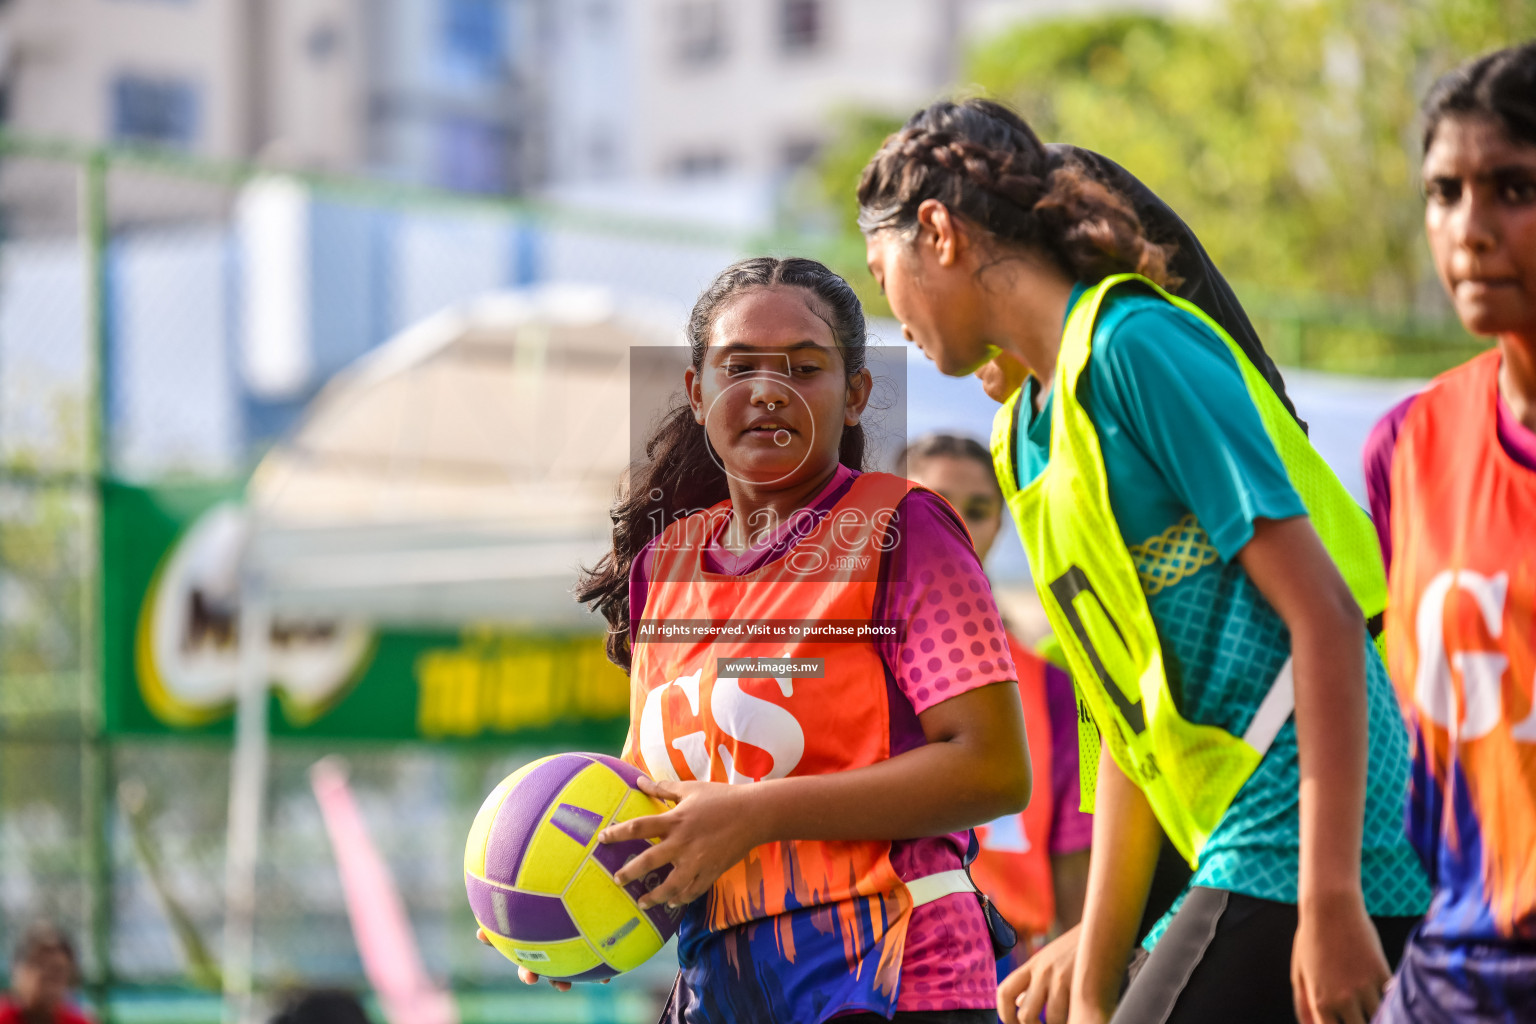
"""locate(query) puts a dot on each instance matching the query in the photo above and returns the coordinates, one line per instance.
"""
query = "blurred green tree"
(1284, 131)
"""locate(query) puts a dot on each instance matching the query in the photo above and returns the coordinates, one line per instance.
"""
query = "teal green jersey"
(1190, 470)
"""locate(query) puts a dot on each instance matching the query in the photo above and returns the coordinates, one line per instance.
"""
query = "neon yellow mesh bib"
(1093, 595)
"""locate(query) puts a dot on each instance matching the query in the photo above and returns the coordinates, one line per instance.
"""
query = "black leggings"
(1228, 957)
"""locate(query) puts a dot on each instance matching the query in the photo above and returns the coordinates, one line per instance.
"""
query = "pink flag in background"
(379, 922)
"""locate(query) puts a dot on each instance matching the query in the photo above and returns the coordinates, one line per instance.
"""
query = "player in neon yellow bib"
(1208, 577)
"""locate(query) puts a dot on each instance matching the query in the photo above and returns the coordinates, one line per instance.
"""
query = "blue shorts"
(1462, 983)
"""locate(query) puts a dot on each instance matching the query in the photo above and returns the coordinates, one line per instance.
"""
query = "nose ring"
(770, 407)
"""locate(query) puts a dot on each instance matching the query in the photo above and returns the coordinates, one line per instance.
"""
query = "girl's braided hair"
(983, 162)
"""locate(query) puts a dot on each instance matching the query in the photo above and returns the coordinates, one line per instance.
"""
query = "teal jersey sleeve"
(1190, 469)
(1178, 429)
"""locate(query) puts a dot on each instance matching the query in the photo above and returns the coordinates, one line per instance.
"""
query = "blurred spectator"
(320, 1006)
(43, 970)
(1033, 865)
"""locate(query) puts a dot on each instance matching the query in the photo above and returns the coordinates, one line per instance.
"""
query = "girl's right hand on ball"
(708, 828)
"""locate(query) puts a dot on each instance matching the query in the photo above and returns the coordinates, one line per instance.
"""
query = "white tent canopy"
(460, 472)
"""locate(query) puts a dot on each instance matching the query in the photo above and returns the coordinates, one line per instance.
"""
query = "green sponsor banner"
(171, 652)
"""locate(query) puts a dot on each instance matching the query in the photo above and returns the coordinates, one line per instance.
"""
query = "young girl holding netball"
(1452, 479)
(1168, 500)
(819, 889)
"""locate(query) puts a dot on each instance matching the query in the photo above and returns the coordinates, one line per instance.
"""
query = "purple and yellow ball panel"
(600, 973)
(624, 936)
(541, 885)
(520, 916)
(485, 818)
(623, 769)
(517, 823)
(552, 855)
(550, 959)
(614, 856)
(637, 805)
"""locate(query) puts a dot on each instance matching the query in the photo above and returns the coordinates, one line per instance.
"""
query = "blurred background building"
(495, 96)
(705, 109)
(690, 112)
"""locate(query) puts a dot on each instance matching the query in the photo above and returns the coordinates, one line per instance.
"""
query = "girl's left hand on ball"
(709, 830)
(526, 976)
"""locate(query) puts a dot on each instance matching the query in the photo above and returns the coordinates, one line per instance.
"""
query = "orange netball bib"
(819, 907)
(1461, 632)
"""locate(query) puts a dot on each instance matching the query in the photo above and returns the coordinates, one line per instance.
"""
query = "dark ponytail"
(1500, 86)
(983, 162)
(679, 474)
